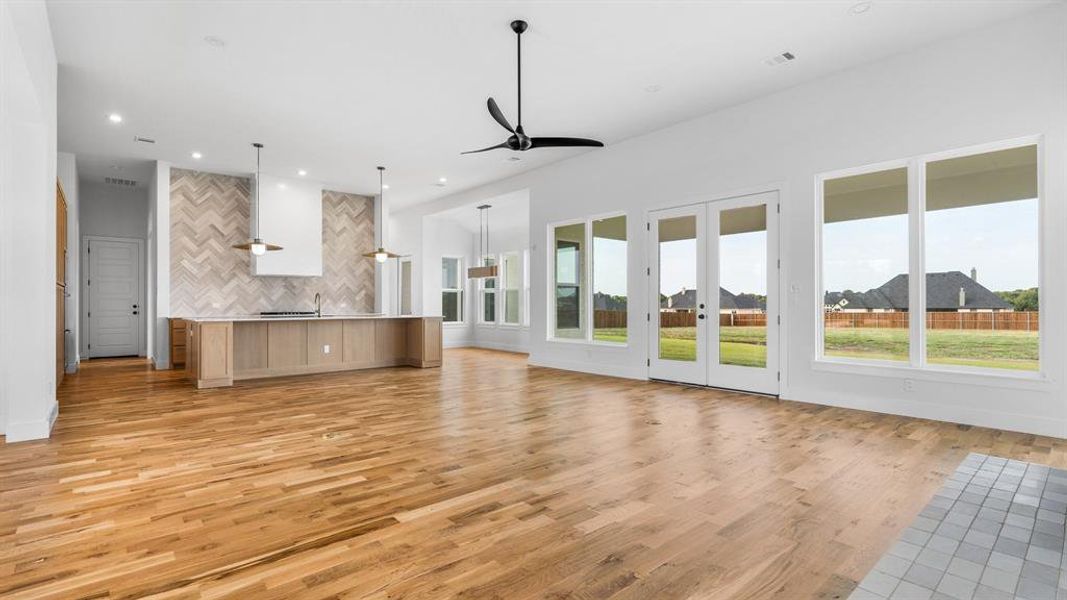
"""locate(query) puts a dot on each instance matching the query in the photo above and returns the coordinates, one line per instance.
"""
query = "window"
(944, 275)
(526, 288)
(512, 280)
(451, 290)
(609, 279)
(487, 286)
(981, 233)
(569, 245)
(588, 284)
(865, 265)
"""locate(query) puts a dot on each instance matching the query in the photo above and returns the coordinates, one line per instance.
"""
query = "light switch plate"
(325, 348)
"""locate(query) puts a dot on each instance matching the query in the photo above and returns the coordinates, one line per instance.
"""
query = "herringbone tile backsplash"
(209, 213)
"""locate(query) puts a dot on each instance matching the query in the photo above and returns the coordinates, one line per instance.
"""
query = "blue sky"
(999, 240)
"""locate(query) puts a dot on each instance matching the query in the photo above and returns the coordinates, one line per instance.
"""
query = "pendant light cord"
(259, 184)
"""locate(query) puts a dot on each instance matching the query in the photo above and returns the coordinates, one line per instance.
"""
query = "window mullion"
(587, 290)
(916, 264)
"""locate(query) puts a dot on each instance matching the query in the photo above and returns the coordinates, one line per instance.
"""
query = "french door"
(713, 272)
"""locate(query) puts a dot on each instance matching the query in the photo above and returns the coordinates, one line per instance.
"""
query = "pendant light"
(381, 254)
(483, 270)
(257, 246)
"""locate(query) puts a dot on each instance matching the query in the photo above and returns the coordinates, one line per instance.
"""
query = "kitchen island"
(221, 350)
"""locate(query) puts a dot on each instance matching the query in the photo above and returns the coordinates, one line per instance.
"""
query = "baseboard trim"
(33, 430)
(624, 372)
(934, 411)
(498, 346)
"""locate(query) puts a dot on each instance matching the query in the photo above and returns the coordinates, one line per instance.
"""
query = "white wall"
(444, 237)
(27, 221)
(997, 83)
(498, 336)
(67, 172)
(112, 211)
(158, 249)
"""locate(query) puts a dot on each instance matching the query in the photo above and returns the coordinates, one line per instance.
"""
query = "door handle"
(135, 312)
(135, 306)
(701, 307)
(701, 316)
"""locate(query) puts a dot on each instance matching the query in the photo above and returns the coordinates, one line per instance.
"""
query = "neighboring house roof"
(687, 300)
(942, 293)
(602, 301)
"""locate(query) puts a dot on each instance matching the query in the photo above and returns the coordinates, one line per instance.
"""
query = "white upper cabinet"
(291, 217)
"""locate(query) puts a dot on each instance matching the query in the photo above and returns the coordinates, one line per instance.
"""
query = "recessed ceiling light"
(301, 172)
(860, 7)
(197, 155)
(214, 41)
(442, 180)
(652, 89)
(114, 118)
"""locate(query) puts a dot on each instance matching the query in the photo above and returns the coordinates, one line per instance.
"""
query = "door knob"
(700, 316)
(135, 306)
(701, 307)
(135, 312)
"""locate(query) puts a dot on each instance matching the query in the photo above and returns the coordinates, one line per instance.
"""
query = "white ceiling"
(507, 213)
(340, 87)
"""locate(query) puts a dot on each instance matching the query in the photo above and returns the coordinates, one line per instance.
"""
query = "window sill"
(584, 342)
(939, 374)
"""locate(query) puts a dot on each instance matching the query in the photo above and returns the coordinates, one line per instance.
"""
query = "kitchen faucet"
(318, 305)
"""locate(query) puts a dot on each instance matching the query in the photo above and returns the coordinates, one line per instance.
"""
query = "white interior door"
(677, 279)
(743, 267)
(713, 274)
(113, 285)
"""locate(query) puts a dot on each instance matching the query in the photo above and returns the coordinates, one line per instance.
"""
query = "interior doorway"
(113, 291)
(714, 280)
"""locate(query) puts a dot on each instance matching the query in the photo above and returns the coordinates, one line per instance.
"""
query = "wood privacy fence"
(981, 321)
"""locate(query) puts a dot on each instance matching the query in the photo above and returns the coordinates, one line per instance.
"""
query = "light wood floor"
(483, 479)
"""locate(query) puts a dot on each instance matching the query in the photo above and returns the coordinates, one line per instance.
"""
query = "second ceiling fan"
(518, 140)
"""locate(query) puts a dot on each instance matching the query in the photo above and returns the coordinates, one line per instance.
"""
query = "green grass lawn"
(746, 346)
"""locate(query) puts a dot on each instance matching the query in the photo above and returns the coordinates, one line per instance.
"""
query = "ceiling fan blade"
(499, 116)
(560, 142)
(502, 145)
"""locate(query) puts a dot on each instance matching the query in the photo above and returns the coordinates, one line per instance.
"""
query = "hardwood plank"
(482, 479)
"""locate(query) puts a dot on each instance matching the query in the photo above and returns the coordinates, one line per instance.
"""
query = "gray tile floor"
(994, 530)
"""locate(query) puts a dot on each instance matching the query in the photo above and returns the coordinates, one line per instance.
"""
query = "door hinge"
(88, 282)
(779, 263)
(648, 272)
(648, 226)
(779, 319)
(648, 362)
(90, 315)
(779, 208)
(779, 375)
(648, 317)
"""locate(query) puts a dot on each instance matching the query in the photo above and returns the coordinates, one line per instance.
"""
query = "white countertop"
(243, 318)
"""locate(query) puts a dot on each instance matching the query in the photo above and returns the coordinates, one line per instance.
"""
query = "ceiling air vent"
(120, 182)
(779, 59)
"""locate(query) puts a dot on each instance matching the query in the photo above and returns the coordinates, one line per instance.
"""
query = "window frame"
(586, 259)
(917, 364)
(526, 288)
(458, 290)
(502, 279)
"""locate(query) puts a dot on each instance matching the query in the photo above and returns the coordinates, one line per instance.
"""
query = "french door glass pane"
(609, 279)
(865, 266)
(569, 246)
(981, 229)
(743, 286)
(678, 288)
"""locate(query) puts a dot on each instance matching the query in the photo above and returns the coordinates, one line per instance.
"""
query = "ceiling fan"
(518, 140)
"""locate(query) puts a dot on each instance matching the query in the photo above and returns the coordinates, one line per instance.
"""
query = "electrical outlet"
(325, 348)
(909, 385)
